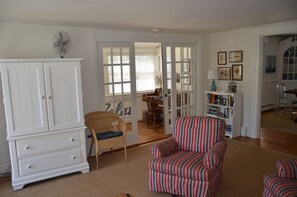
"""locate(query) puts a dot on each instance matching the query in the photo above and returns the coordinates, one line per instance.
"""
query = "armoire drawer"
(47, 143)
(49, 162)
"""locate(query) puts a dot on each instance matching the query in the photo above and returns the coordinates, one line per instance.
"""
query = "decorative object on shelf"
(237, 72)
(62, 43)
(235, 56)
(224, 73)
(212, 74)
(222, 58)
(232, 86)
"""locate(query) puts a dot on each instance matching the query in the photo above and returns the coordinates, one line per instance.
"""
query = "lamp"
(212, 74)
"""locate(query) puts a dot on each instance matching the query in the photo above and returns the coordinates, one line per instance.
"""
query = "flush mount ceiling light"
(155, 29)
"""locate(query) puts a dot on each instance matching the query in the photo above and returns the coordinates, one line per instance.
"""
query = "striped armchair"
(284, 184)
(190, 162)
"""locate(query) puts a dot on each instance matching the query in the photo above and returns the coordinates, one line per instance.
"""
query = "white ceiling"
(187, 16)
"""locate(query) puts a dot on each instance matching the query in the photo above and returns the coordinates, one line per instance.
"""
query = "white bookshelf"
(226, 106)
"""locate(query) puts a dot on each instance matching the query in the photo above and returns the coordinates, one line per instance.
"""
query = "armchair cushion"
(164, 148)
(216, 154)
(182, 163)
(287, 169)
(190, 134)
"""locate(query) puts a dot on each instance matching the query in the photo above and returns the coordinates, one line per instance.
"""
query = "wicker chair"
(108, 131)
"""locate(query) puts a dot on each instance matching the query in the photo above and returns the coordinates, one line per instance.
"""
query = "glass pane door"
(119, 83)
(178, 84)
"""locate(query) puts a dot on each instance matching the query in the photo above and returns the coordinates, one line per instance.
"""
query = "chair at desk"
(283, 101)
(154, 112)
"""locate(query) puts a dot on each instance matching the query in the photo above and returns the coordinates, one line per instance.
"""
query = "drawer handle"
(29, 166)
(27, 147)
(73, 157)
(71, 140)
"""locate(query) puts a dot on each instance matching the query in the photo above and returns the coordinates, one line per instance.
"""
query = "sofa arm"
(164, 148)
(216, 154)
(287, 169)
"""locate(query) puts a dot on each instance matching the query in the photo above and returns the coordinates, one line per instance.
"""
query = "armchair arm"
(287, 169)
(216, 154)
(164, 148)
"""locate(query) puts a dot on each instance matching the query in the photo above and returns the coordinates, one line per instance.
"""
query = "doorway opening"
(278, 67)
(149, 84)
(164, 71)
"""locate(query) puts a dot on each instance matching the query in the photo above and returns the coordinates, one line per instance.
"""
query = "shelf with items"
(226, 106)
(219, 111)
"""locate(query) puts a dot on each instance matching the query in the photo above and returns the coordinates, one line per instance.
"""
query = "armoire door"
(24, 96)
(64, 94)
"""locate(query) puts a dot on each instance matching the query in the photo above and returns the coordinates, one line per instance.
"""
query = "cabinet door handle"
(50, 97)
(27, 147)
(29, 166)
(71, 140)
(42, 97)
(73, 157)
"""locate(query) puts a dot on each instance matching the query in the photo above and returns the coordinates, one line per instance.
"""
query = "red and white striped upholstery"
(284, 184)
(189, 163)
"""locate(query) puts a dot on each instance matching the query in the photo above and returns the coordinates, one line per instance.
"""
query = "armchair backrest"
(198, 133)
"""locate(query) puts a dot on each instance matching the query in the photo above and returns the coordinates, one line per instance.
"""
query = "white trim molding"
(256, 71)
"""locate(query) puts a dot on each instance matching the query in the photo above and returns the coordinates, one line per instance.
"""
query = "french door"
(178, 82)
(117, 67)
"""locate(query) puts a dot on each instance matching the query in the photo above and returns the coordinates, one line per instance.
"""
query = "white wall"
(36, 41)
(250, 41)
(232, 41)
(269, 80)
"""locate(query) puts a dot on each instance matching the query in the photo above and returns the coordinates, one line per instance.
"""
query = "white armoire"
(44, 116)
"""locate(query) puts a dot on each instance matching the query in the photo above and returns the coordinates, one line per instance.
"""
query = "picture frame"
(224, 73)
(222, 57)
(237, 72)
(235, 56)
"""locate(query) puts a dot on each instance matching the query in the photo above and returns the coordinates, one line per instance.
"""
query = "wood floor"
(271, 139)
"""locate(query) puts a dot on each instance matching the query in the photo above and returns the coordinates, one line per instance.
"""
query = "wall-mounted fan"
(62, 43)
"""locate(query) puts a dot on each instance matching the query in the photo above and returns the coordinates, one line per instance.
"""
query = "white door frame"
(256, 70)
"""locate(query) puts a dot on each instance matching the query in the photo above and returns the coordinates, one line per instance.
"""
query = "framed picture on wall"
(224, 73)
(222, 58)
(235, 56)
(237, 72)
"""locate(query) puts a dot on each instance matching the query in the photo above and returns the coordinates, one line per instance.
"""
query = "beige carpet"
(244, 168)
(281, 122)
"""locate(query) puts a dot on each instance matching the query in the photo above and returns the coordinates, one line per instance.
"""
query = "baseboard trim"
(5, 168)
